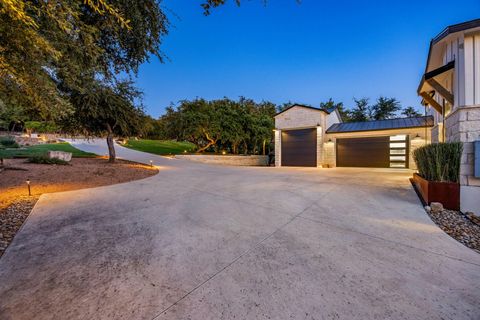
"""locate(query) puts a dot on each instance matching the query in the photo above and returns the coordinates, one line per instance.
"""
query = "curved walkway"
(209, 242)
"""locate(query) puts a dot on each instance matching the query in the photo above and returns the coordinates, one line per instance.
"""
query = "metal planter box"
(447, 193)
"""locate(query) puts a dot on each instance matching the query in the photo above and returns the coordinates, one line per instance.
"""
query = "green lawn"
(42, 149)
(162, 147)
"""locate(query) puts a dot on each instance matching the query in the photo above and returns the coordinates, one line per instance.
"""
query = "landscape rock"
(436, 207)
(473, 217)
(459, 226)
(62, 155)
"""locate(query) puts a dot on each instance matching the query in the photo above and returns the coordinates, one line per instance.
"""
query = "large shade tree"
(106, 111)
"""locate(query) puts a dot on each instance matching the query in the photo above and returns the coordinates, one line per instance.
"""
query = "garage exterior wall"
(329, 147)
(299, 118)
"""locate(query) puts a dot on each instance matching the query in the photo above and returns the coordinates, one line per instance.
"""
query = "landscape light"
(151, 163)
(223, 152)
(184, 151)
(28, 186)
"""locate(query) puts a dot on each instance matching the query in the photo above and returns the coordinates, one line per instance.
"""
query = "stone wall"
(233, 160)
(464, 125)
(298, 118)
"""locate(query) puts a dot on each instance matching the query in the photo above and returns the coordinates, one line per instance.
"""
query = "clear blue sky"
(303, 53)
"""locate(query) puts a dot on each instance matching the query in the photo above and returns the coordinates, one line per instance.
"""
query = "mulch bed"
(12, 218)
(459, 226)
(16, 204)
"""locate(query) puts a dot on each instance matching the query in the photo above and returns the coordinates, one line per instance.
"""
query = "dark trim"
(434, 73)
(456, 28)
(447, 31)
(299, 105)
(440, 70)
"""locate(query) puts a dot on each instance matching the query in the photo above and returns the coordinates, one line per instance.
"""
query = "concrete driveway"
(210, 242)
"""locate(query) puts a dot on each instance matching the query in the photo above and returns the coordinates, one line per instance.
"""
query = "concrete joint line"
(388, 240)
(232, 262)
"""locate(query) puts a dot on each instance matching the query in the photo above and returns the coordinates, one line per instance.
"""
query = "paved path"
(210, 242)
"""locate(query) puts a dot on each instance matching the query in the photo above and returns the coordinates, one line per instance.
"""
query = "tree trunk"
(111, 147)
(263, 146)
(209, 144)
(245, 146)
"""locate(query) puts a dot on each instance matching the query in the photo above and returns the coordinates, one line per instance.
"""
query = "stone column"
(278, 148)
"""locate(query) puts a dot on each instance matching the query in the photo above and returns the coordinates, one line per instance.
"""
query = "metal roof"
(389, 124)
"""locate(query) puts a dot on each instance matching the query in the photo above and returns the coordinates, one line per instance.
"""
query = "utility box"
(476, 163)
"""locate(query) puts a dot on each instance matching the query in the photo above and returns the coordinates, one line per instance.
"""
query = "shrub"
(44, 159)
(8, 142)
(439, 161)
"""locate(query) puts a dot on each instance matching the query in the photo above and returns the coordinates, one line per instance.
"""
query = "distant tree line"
(234, 126)
(383, 108)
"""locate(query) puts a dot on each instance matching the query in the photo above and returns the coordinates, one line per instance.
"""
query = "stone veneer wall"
(464, 125)
(233, 160)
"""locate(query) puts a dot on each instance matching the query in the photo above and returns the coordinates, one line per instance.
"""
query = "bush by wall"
(439, 161)
(8, 142)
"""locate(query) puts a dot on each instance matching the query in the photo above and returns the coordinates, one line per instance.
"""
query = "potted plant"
(438, 174)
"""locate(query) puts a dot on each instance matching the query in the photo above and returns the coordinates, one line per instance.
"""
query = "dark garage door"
(299, 148)
(371, 152)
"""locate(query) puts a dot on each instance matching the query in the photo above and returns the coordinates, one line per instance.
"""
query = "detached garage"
(301, 140)
(299, 148)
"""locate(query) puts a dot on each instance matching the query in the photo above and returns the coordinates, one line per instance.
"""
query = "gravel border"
(459, 226)
(12, 218)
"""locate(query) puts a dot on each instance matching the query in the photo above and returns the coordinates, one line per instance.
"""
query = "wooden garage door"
(299, 148)
(371, 152)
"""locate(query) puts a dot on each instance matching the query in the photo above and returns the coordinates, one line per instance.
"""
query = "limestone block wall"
(299, 117)
(233, 160)
(278, 148)
(464, 125)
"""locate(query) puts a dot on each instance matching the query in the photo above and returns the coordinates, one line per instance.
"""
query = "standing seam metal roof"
(389, 124)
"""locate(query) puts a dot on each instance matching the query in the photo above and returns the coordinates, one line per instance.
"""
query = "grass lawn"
(162, 147)
(42, 149)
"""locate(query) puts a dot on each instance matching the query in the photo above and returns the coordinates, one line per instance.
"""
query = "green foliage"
(223, 124)
(161, 147)
(8, 142)
(360, 112)
(439, 161)
(44, 159)
(41, 126)
(42, 149)
(106, 110)
(385, 108)
(330, 104)
(411, 112)
(48, 48)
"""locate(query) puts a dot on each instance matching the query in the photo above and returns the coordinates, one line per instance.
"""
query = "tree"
(330, 104)
(385, 108)
(411, 112)
(106, 110)
(48, 47)
(361, 110)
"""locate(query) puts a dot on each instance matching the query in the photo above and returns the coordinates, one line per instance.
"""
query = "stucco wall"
(234, 160)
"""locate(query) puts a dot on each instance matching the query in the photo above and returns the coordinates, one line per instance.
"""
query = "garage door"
(299, 148)
(371, 152)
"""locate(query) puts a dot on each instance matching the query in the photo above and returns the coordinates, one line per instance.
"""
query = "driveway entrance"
(209, 242)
